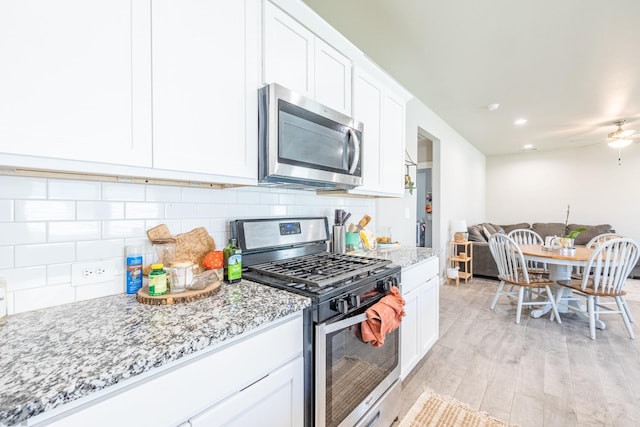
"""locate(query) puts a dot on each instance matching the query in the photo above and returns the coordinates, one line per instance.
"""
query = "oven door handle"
(345, 323)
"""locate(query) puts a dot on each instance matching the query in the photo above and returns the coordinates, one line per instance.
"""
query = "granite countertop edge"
(104, 341)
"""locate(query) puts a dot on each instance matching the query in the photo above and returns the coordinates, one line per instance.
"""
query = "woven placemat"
(432, 409)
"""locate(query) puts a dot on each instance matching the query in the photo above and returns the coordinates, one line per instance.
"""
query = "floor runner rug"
(432, 409)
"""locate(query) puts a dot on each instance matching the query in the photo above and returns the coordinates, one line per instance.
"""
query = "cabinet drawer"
(419, 273)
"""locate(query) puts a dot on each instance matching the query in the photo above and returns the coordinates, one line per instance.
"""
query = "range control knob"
(385, 285)
(340, 305)
(354, 301)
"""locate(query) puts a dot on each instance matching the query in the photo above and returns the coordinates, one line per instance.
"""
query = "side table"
(461, 255)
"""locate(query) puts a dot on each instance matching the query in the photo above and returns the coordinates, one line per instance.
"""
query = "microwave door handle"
(356, 156)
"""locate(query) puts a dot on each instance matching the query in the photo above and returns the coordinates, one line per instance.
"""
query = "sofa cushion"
(509, 228)
(545, 229)
(591, 232)
(475, 234)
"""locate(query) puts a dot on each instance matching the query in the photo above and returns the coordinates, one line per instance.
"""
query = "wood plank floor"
(538, 373)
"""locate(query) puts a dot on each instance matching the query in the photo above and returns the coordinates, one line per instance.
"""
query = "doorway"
(424, 191)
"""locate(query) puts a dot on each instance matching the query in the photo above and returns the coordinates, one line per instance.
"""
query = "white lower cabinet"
(419, 329)
(273, 401)
(256, 380)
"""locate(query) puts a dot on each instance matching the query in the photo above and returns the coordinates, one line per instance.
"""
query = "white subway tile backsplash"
(100, 210)
(6, 257)
(73, 190)
(144, 210)
(181, 210)
(225, 195)
(48, 253)
(99, 249)
(101, 289)
(6, 210)
(196, 195)
(113, 229)
(18, 187)
(269, 198)
(47, 225)
(23, 278)
(44, 210)
(58, 273)
(16, 233)
(123, 192)
(163, 193)
(278, 210)
(49, 296)
(248, 197)
(67, 231)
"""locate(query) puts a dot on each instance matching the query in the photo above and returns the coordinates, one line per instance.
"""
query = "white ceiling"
(571, 67)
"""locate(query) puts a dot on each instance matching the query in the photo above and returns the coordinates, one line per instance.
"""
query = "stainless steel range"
(347, 381)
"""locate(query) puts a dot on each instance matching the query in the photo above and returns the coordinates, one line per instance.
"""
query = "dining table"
(560, 264)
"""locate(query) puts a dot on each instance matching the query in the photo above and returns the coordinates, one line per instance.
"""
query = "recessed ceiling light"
(493, 107)
(520, 122)
(529, 147)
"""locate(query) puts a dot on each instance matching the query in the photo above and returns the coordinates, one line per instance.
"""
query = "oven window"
(354, 369)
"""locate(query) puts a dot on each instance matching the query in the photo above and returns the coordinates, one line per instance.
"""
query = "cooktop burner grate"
(321, 269)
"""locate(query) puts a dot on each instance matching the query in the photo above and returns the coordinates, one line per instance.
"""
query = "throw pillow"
(475, 235)
(486, 232)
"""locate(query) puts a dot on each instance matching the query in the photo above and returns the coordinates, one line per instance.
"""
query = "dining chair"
(601, 238)
(609, 266)
(523, 236)
(512, 270)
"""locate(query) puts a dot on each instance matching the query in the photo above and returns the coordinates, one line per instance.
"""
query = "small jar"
(157, 280)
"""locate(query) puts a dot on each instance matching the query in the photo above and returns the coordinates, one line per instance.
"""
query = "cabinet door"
(205, 81)
(429, 315)
(289, 51)
(274, 401)
(332, 78)
(392, 143)
(74, 80)
(409, 346)
(367, 108)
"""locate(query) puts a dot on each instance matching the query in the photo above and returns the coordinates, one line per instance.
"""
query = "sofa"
(483, 262)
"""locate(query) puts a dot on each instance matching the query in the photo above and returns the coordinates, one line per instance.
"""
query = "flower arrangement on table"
(568, 238)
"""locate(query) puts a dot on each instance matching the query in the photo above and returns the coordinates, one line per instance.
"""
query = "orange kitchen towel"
(383, 317)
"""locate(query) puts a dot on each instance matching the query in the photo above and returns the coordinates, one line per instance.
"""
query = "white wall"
(538, 186)
(458, 180)
(46, 225)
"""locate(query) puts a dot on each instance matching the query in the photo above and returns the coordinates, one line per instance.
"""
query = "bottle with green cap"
(232, 262)
(157, 280)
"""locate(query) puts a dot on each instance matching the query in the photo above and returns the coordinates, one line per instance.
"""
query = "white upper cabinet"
(297, 59)
(205, 87)
(367, 108)
(332, 78)
(381, 107)
(74, 82)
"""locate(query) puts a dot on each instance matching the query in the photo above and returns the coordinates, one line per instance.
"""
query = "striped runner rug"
(432, 409)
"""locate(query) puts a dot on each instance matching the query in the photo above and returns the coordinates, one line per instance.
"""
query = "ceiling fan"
(620, 138)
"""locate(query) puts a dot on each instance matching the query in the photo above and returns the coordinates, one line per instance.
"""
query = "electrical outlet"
(92, 272)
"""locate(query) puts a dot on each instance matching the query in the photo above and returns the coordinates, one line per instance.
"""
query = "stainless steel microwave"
(304, 144)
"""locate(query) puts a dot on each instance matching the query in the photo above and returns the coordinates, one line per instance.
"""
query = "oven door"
(351, 375)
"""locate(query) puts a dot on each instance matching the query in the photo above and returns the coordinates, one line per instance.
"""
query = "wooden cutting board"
(191, 246)
(187, 296)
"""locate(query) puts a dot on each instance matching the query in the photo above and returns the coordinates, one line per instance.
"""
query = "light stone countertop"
(403, 256)
(56, 355)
